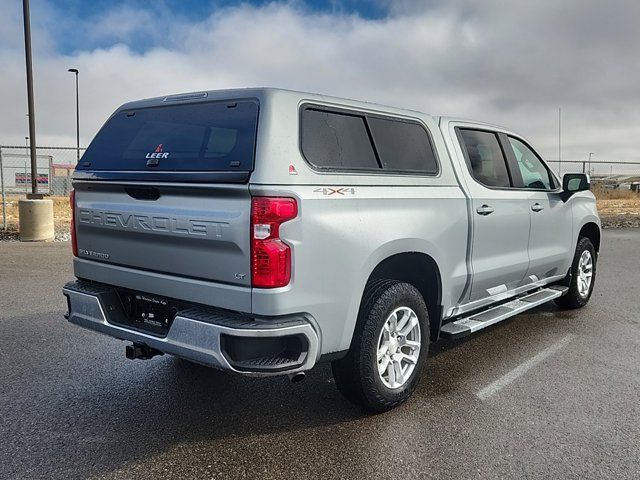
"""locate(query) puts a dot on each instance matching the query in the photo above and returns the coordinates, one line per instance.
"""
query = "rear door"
(551, 237)
(499, 215)
(164, 189)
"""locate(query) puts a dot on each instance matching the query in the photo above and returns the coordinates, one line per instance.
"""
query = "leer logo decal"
(158, 153)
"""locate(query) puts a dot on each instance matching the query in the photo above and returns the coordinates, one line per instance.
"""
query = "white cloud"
(510, 64)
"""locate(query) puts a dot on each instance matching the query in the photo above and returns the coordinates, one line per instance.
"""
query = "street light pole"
(30, 102)
(559, 140)
(75, 71)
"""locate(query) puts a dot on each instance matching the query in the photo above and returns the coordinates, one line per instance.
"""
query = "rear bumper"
(217, 338)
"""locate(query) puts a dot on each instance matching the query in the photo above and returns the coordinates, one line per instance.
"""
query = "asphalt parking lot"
(546, 394)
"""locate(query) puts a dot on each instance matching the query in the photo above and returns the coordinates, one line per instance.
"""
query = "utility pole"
(30, 101)
(75, 70)
(35, 212)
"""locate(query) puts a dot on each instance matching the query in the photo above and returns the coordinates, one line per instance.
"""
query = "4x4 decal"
(336, 191)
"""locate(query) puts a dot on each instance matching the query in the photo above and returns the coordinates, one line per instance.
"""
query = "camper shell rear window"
(204, 137)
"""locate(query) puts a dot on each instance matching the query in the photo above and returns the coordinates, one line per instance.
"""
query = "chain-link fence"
(56, 164)
(597, 168)
(54, 170)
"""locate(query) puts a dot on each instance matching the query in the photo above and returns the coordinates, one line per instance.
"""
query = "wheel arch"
(591, 230)
(420, 270)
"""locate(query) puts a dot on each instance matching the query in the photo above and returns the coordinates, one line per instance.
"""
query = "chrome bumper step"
(479, 320)
(200, 334)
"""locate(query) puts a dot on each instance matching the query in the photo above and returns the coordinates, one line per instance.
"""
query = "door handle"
(484, 210)
(536, 207)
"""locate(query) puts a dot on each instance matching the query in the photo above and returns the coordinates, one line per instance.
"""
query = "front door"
(551, 239)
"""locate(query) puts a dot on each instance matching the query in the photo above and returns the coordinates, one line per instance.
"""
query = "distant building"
(620, 182)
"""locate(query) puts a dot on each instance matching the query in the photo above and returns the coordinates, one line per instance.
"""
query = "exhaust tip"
(297, 377)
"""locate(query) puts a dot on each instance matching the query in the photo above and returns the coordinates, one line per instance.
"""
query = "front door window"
(534, 173)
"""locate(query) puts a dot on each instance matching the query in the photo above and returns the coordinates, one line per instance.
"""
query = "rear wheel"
(583, 276)
(388, 348)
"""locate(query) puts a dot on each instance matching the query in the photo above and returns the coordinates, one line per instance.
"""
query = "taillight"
(74, 240)
(270, 256)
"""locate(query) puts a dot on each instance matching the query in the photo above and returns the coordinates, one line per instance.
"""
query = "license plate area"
(150, 313)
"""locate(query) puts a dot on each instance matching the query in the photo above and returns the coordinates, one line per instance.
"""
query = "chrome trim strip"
(483, 302)
(188, 338)
(497, 289)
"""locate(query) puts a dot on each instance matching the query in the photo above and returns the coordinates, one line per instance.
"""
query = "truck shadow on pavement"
(454, 362)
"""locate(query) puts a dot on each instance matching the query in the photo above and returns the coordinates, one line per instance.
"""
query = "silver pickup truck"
(262, 231)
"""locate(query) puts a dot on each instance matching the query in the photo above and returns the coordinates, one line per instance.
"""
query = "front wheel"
(388, 349)
(583, 276)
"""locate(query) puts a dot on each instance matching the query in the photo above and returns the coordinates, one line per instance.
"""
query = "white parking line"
(521, 369)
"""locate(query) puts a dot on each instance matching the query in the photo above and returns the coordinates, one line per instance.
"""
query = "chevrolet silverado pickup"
(262, 231)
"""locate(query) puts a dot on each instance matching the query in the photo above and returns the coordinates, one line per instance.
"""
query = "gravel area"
(620, 221)
(12, 235)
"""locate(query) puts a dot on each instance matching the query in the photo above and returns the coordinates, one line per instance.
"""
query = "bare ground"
(618, 208)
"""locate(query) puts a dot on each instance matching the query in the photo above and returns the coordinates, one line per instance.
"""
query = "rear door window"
(485, 158)
(209, 136)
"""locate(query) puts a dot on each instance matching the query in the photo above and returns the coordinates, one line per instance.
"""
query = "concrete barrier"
(36, 220)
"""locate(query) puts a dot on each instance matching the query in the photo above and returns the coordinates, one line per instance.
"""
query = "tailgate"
(192, 231)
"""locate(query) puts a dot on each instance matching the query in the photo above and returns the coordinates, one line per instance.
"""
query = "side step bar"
(477, 321)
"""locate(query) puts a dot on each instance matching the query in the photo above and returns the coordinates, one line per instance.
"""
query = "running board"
(477, 321)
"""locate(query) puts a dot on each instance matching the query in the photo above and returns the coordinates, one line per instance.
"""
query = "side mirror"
(574, 182)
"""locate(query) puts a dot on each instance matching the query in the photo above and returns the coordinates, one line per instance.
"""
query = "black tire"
(573, 299)
(356, 375)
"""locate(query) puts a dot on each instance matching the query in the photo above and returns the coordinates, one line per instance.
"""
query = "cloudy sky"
(508, 62)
